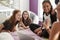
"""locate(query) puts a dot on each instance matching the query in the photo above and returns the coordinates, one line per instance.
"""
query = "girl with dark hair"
(9, 25)
(48, 15)
(48, 10)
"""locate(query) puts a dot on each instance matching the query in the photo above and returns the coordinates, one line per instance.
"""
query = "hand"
(46, 23)
(25, 27)
(39, 32)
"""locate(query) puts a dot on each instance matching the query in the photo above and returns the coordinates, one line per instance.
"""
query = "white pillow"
(5, 36)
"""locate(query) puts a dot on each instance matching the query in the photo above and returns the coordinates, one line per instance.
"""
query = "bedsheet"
(30, 33)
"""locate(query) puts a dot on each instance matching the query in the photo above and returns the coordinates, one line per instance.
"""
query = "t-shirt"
(47, 17)
(7, 25)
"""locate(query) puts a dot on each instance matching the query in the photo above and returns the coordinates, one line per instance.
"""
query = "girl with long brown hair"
(26, 21)
(9, 25)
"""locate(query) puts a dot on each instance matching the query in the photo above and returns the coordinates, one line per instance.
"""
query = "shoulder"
(56, 23)
(7, 21)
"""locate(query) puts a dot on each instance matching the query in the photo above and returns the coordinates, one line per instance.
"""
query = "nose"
(45, 8)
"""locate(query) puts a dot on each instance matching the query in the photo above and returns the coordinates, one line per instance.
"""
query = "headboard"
(5, 13)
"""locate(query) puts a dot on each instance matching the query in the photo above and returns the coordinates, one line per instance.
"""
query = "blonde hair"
(58, 5)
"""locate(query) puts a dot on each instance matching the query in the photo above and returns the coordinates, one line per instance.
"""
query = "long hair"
(12, 18)
(27, 21)
(23, 14)
(47, 1)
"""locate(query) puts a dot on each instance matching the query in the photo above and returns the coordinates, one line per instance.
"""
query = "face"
(18, 16)
(46, 7)
(25, 15)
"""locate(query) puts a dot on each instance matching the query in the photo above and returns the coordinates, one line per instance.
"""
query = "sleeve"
(33, 26)
(54, 17)
(7, 25)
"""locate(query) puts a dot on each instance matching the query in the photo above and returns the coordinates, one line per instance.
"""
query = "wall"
(16, 4)
(24, 4)
(40, 10)
(34, 6)
(21, 4)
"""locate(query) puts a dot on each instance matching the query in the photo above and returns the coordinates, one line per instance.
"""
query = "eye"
(47, 6)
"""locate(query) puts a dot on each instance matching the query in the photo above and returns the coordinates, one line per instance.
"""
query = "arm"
(53, 32)
(48, 30)
(1, 26)
(22, 25)
(46, 25)
(38, 31)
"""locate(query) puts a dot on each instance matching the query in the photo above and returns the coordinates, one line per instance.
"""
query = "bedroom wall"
(34, 6)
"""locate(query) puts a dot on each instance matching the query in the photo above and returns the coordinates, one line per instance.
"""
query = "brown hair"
(27, 21)
(12, 19)
(23, 14)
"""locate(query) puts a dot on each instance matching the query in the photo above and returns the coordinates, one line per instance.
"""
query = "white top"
(47, 18)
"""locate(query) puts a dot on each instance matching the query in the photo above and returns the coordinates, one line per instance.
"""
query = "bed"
(26, 34)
